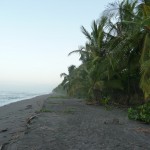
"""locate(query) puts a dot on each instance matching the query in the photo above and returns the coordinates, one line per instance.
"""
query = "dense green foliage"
(141, 113)
(116, 56)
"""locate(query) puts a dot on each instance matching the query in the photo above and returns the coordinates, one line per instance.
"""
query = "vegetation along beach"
(103, 103)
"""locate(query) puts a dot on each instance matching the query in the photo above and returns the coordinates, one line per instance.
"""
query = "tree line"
(115, 60)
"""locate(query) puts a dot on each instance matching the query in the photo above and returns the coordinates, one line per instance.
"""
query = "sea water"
(7, 97)
(17, 92)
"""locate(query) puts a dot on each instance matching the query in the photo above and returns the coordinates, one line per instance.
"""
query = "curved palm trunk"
(145, 67)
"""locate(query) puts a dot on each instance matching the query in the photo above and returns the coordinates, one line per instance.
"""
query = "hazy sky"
(36, 37)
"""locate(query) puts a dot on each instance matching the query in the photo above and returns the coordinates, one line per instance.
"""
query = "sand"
(13, 118)
(69, 124)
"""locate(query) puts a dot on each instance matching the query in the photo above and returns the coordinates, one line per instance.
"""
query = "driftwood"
(3, 145)
(3, 130)
(114, 121)
(144, 130)
(29, 107)
(30, 119)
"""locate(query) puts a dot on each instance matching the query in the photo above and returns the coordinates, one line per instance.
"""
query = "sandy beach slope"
(69, 124)
(13, 118)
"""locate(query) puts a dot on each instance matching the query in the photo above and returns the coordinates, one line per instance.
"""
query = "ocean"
(7, 97)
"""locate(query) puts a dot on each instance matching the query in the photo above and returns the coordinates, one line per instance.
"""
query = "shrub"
(141, 113)
(105, 101)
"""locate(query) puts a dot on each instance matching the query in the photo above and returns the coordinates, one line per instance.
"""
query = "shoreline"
(13, 117)
(22, 99)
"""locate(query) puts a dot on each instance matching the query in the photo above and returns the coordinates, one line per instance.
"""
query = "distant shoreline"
(11, 101)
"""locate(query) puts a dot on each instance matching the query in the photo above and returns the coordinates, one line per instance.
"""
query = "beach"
(48, 123)
(13, 118)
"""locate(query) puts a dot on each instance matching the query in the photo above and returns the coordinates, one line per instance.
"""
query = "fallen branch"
(4, 130)
(3, 145)
(30, 119)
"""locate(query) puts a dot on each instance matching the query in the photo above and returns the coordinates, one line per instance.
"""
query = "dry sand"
(69, 124)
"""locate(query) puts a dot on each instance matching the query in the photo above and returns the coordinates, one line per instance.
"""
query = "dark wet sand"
(69, 124)
(13, 119)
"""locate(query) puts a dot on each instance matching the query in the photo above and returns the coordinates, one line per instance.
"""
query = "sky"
(36, 37)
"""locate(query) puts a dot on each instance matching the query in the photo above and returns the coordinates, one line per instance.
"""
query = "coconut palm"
(67, 81)
(115, 58)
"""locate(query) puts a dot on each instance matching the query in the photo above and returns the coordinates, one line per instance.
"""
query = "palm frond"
(86, 33)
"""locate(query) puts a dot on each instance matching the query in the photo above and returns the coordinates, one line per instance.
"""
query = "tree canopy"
(116, 56)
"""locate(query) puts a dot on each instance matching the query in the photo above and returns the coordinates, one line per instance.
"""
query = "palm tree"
(67, 81)
(92, 54)
(131, 42)
(145, 54)
(115, 58)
